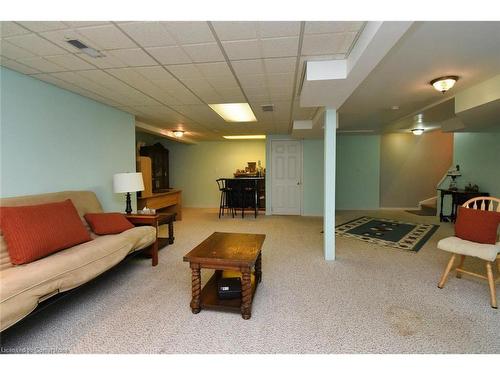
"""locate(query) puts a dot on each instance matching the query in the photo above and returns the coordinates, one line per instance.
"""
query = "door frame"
(269, 188)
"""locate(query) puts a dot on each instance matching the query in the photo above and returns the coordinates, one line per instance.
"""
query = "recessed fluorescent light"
(234, 112)
(244, 136)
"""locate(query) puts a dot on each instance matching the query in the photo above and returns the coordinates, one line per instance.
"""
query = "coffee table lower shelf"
(210, 300)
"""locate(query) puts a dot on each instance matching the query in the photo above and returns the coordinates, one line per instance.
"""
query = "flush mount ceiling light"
(178, 133)
(234, 112)
(418, 131)
(445, 83)
(244, 136)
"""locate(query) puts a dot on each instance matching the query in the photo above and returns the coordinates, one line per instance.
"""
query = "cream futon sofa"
(23, 287)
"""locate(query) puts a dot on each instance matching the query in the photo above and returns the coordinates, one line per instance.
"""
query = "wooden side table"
(155, 221)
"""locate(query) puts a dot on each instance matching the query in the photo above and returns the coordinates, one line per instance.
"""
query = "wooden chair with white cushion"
(489, 253)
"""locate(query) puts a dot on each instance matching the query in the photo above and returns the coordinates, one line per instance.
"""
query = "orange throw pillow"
(477, 226)
(108, 223)
(33, 232)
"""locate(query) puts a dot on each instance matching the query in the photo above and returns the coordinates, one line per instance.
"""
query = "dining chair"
(488, 252)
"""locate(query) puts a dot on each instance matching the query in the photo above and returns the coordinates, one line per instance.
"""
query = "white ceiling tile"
(148, 34)
(322, 44)
(85, 23)
(36, 45)
(40, 26)
(198, 85)
(61, 37)
(228, 30)
(105, 62)
(279, 28)
(321, 27)
(169, 55)
(106, 37)
(189, 32)
(222, 82)
(132, 57)
(248, 66)
(185, 72)
(206, 52)
(252, 80)
(70, 62)
(14, 65)
(280, 47)
(41, 64)
(103, 78)
(243, 49)
(280, 65)
(280, 79)
(233, 95)
(214, 69)
(156, 74)
(13, 52)
(11, 29)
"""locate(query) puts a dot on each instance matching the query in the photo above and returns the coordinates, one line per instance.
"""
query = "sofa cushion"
(477, 225)
(108, 223)
(33, 232)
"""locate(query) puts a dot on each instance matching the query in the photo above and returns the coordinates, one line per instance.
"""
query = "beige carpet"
(370, 300)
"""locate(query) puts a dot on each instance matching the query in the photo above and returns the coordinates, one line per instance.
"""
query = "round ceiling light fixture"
(445, 83)
(178, 133)
(417, 131)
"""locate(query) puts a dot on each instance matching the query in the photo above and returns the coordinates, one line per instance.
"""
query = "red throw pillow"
(477, 226)
(32, 232)
(108, 223)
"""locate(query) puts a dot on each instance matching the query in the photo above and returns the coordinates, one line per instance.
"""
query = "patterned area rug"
(385, 232)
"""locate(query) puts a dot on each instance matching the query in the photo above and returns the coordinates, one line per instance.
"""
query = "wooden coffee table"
(226, 251)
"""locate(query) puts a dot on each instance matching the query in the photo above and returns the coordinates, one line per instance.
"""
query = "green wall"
(53, 140)
(194, 168)
(478, 155)
(358, 172)
(313, 188)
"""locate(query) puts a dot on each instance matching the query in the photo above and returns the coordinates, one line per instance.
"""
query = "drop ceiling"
(165, 73)
(428, 50)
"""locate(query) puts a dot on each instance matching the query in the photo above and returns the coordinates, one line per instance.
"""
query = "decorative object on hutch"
(128, 183)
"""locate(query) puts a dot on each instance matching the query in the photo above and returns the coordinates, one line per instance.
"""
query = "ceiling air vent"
(84, 48)
(267, 108)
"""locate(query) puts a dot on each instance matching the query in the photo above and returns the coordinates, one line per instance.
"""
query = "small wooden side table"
(155, 221)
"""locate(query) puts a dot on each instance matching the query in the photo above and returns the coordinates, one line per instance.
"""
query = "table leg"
(154, 253)
(171, 232)
(246, 294)
(258, 269)
(195, 288)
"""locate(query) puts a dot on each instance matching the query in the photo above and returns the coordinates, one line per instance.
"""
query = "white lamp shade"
(127, 182)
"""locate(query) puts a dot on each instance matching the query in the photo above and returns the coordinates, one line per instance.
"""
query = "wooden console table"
(458, 197)
(168, 201)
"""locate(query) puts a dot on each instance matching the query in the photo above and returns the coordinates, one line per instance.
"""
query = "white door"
(286, 177)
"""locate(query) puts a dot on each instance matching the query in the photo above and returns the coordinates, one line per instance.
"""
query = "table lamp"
(128, 183)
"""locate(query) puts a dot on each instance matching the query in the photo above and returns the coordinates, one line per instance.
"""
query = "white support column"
(329, 173)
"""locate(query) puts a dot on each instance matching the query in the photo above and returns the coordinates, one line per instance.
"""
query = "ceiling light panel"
(234, 112)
